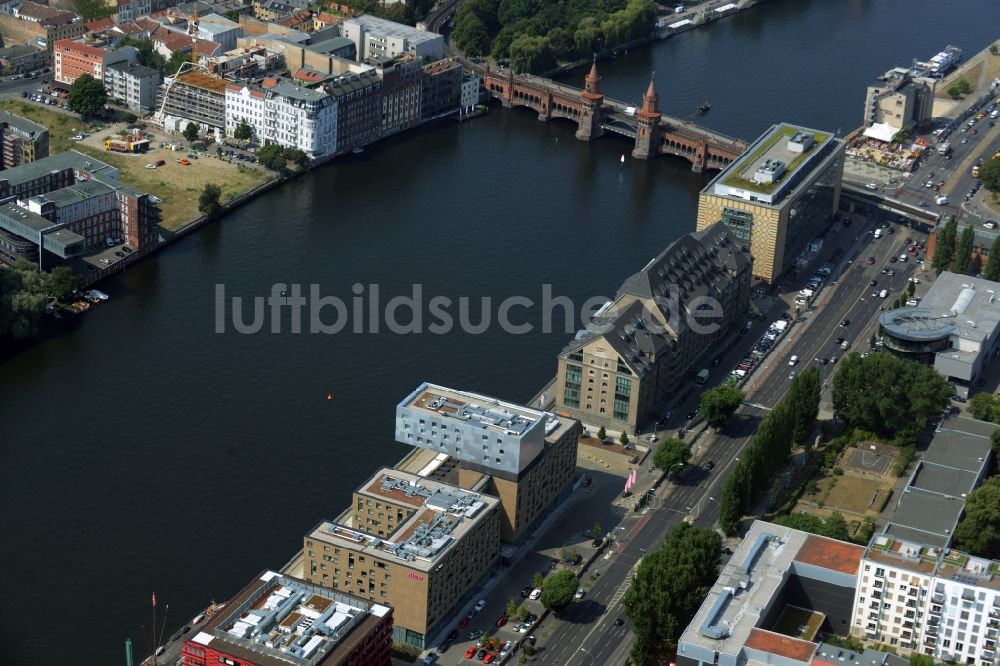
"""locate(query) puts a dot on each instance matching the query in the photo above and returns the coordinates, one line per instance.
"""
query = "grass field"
(798, 623)
(177, 185)
(61, 125)
(851, 493)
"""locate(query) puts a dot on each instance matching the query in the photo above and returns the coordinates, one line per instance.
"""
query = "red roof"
(68, 45)
(308, 76)
(831, 554)
(100, 25)
(206, 47)
(783, 646)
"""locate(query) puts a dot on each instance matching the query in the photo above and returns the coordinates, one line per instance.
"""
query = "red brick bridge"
(653, 132)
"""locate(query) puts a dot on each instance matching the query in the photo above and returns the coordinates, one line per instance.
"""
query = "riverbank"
(667, 26)
(980, 71)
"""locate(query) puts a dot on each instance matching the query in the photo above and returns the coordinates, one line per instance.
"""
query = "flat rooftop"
(932, 503)
(76, 193)
(443, 515)
(769, 170)
(387, 28)
(930, 560)
(974, 304)
(278, 620)
(70, 159)
(733, 612)
(479, 411)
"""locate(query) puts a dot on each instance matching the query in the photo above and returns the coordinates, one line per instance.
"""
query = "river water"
(145, 452)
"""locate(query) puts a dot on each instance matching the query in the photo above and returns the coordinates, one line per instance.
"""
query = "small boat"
(623, 158)
(358, 150)
(704, 108)
(95, 294)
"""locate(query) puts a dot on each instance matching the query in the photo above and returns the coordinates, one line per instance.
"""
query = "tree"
(23, 293)
(985, 407)
(511, 609)
(979, 531)
(87, 96)
(886, 395)
(63, 281)
(243, 131)
(989, 174)
(208, 202)
(803, 399)
(172, 66)
(558, 590)
(597, 526)
(735, 497)
(995, 444)
(129, 118)
(191, 132)
(538, 580)
(834, 527)
(917, 659)
(945, 248)
(668, 588)
(624, 438)
(911, 288)
(531, 53)
(671, 452)
(992, 271)
(962, 263)
(720, 402)
(602, 434)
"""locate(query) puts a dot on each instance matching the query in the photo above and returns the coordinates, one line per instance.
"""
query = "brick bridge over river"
(595, 115)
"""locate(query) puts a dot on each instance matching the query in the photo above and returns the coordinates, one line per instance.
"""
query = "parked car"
(535, 593)
(473, 635)
(471, 652)
(579, 594)
(957, 398)
(502, 620)
(480, 605)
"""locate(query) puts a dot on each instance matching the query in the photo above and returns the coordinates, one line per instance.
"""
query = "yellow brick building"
(780, 195)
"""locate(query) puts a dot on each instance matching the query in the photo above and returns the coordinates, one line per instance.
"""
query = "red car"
(502, 620)
(489, 658)
(464, 622)
(471, 652)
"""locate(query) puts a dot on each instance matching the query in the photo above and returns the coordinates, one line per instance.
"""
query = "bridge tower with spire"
(647, 135)
(591, 102)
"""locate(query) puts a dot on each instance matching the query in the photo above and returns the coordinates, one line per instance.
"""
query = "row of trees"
(791, 421)
(24, 291)
(989, 174)
(533, 33)
(889, 396)
(954, 252)
(667, 589)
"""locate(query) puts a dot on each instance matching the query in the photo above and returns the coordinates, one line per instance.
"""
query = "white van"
(883, 293)
(793, 360)
(941, 201)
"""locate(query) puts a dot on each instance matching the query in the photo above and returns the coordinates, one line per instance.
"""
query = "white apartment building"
(376, 37)
(133, 85)
(285, 114)
(934, 601)
(470, 94)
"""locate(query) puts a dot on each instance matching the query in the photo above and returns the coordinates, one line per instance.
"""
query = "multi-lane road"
(596, 630)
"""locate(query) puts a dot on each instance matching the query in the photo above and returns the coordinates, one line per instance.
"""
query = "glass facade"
(571, 394)
(740, 222)
(811, 213)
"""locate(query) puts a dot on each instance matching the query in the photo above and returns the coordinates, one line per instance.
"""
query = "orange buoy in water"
(329, 396)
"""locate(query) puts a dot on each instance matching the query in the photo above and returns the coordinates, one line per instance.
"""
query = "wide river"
(146, 452)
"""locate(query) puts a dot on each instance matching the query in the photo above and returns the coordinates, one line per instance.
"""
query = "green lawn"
(61, 125)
